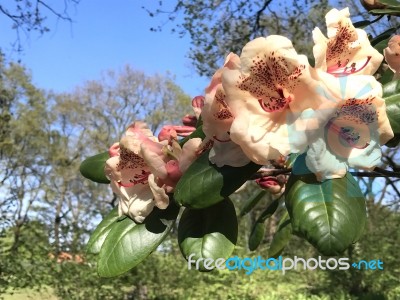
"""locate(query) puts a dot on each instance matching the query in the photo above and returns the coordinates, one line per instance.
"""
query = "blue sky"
(104, 35)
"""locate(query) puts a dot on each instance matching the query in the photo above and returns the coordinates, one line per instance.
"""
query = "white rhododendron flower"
(143, 170)
(266, 93)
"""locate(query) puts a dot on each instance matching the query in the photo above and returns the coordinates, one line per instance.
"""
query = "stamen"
(220, 140)
(338, 70)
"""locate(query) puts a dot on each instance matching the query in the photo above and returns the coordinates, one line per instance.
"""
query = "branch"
(379, 172)
(256, 25)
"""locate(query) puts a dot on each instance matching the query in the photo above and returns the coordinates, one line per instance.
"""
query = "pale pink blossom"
(347, 49)
(267, 91)
(217, 120)
(143, 170)
(392, 55)
(354, 117)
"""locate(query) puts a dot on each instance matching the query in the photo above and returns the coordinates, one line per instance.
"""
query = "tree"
(28, 16)
(216, 28)
(44, 137)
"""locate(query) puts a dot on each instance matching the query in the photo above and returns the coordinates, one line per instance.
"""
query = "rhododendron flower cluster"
(263, 105)
(270, 102)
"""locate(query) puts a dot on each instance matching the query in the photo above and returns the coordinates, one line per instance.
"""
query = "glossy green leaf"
(383, 36)
(391, 3)
(251, 202)
(102, 230)
(291, 159)
(381, 45)
(93, 168)
(281, 237)
(362, 24)
(208, 233)
(128, 243)
(269, 211)
(257, 235)
(387, 77)
(205, 184)
(330, 215)
(258, 230)
(385, 11)
(391, 94)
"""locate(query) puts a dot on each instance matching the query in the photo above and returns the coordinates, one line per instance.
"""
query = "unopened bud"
(167, 133)
(372, 4)
(392, 54)
(271, 184)
(197, 104)
(189, 120)
(114, 150)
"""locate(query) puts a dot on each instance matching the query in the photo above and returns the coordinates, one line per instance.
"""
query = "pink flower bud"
(270, 183)
(167, 133)
(197, 104)
(189, 120)
(114, 150)
(372, 4)
(392, 54)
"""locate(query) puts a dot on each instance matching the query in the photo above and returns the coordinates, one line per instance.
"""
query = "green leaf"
(383, 36)
(387, 77)
(362, 24)
(292, 159)
(270, 210)
(391, 94)
(102, 230)
(258, 231)
(281, 237)
(381, 45)
(252, 202)
(208, 233)
(392, 3)
(128, 243)
(93, 168)
(205, 184)
(330, 215)
(257, 235)
(385, 11)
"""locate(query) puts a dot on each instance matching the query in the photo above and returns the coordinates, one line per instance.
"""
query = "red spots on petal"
(140, 178)
(271, 75)
(274, 104)
(222, 109)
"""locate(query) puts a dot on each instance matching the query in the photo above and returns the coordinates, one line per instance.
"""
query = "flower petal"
(323, 163)
(155, 157)
(347, 50)
(267, 92)
(227, 153)
(189, 153)
(161, 198)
